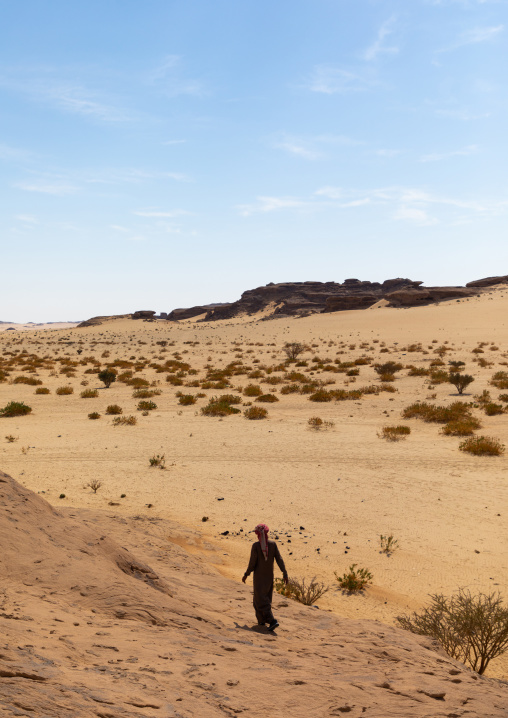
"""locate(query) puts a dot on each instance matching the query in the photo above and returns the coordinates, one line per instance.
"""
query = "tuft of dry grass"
(124, 421)
(255, 412)
(64, 390)
(114, 409)
(394, 433)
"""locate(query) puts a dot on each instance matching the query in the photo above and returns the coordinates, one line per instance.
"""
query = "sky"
(169, 153)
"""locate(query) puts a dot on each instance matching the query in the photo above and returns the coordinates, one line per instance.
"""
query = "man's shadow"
(263, 630)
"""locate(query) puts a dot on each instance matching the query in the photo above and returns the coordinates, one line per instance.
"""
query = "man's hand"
(286, 580)
(244, 578)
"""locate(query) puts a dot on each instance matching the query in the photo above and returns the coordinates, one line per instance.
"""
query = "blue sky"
(165, 153)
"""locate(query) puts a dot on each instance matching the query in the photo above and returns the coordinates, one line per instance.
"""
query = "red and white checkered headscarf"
(261, 532)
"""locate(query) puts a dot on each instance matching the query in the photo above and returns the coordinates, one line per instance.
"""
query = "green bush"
(354, 580)
(221, 406)
(107, 376)
(471, 628)
(15, 408)
(460, 381)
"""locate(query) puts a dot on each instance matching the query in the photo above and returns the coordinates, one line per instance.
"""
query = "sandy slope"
(346, 486)
(92, 629)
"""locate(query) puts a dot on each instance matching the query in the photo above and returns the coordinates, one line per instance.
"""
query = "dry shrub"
(187, 399)
(293, 349)
(418, 371)
(500, 380)
(114, 409)
(290, 389)
(64, 390)
(461, 427)
(94, 415)
(394, 433)
(253, 390)
(30, 380)
(459, 381)
(472, 629)
(482, 446)
(456, 411)
(255, 412)
(439, 377)
(146, 406)
(268, 398)
(42, 390)
(145, 393)
(300, 590)
(124, 421)
(492, 409)
(322, 395)
(502, 397)
(89, 394)
(318, 424)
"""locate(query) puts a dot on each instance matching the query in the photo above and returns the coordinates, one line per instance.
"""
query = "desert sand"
(327, 496)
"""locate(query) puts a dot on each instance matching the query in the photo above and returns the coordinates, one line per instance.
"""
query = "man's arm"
(252, 563)
(280, 564)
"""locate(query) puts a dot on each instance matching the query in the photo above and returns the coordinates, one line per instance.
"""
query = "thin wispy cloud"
(414, 215)
(156, 214)
(313, 148)
(48, 87)
(331, 80)
(26, 218)
(379, 46)
(46, 188)
(13, 153)
(474, 36)
(169, 77)
(438, 156)
(271, 204)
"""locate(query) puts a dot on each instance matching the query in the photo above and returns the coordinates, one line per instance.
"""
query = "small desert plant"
(89, 394)
(387, 370)
(471, 628)
(300, 590)
(15, 408)
(354, 580)
(221, 405)
(95, 485)
(142, 393)
(482, 446)
(147, 406)
(187, 399)
(268, 398)
(318, 424)
(64, 390)
(124, 421)
(500, 380)
(255, 412)
(394, 433)
(483, 398)
(253, 390)
(460, 381)
(30, 380)
(42, 390)
(388, 544)
(107, 376)
(94, 415)
(492, 409)
(158, 460)
(293, 349)
(10, 439)
(461, 427)
(503, 397)
(114, 409)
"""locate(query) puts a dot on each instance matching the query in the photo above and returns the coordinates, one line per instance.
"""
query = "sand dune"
(89, 628)
(345, 486)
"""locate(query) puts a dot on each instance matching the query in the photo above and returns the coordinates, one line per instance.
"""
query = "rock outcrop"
(179, 314)
(97, 321)
(144, 314)
(488, 281)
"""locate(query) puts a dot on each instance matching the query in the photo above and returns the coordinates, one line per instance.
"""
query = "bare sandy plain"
(327, 495)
